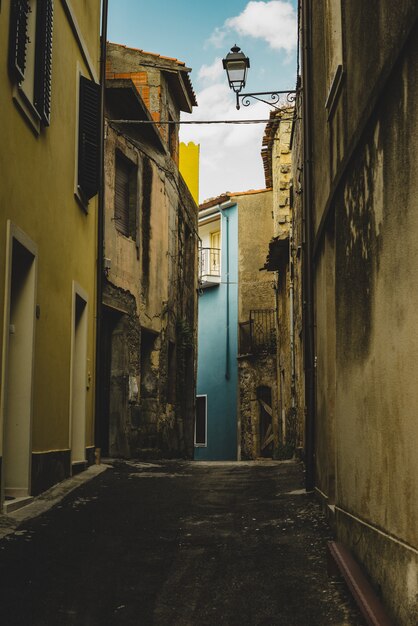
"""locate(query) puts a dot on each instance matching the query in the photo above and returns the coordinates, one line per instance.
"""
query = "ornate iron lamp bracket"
(274, 98)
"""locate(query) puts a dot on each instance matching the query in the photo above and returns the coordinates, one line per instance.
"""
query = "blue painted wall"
(217, 357)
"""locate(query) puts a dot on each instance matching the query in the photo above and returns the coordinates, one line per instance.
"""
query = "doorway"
(79, 377)
(265, 421)
(19, 356)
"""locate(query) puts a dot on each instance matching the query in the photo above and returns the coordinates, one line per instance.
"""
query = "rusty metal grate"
(258, 334)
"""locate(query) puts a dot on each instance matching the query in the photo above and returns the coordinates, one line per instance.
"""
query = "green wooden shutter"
(43, 59)
(18, 38)
(122, 194)
(89, 138)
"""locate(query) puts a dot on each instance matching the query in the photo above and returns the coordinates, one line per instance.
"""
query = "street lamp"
(236, 65)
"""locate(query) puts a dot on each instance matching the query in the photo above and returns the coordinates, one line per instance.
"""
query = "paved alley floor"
(176, 543)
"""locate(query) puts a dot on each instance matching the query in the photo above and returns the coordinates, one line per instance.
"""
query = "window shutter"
(18, 38)
(89, 138)
(43, 59)
(122, 178)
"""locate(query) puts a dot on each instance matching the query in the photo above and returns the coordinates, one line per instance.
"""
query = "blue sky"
(200, 34)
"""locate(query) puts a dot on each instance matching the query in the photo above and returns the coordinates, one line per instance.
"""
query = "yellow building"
(189, 167)
(49, 99)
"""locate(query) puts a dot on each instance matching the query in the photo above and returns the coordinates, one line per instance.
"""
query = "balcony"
(209, 267)
(258, 335)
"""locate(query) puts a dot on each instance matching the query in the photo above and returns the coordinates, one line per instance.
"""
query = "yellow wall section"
(189, 167)
(37, 180)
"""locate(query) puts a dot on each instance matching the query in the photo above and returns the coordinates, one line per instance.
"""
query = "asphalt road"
(183, 544)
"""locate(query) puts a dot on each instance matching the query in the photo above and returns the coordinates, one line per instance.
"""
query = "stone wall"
(150, 290)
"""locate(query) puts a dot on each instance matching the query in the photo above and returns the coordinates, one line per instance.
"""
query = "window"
(215, 253)
(30, 55)
(172, 139)
(200, 437)
(88, 139)
(125, 195)
(333, 53)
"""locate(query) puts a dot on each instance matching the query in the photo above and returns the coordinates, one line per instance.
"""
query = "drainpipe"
(279, 362)
(308, 256)
(292, 318)
(100, 231)
(227, 353)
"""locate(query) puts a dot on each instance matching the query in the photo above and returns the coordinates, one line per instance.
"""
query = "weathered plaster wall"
(255, 291)
(286, 174)
(38, 176)
(372, 257)
(325, 338)
(255, 229)
(152, 280)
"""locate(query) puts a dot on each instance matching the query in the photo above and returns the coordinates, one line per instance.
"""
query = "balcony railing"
(258, 334)
(210, 264)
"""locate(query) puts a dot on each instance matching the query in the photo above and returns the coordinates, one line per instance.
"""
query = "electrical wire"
(197, 122)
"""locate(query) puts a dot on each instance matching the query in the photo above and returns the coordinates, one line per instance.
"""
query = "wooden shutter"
(122, 179)
(43, 59)
(18, 38)
(89, 138)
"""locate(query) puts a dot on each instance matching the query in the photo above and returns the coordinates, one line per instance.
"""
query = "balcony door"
(215, 253)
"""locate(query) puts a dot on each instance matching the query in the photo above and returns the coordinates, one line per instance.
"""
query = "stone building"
(259, 426)
(49, 179)
(284, 260)
(237, 413)
(360, 191)
(150, 248)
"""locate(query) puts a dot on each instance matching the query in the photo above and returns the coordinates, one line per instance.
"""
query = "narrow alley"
(208, 313)
(176, 543)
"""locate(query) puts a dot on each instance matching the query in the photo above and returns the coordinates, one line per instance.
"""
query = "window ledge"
(126, 237)
(27, 109)
(334, 91)
(79, 196)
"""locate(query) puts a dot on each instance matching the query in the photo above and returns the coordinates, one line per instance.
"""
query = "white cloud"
(230, 157)
(217, 38)
(229, 154)
(211, 72)
(274, 21)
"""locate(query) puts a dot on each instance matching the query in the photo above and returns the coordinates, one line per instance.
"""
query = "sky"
(201, 34)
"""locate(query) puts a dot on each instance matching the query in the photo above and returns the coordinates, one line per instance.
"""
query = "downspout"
(308, 256)
(279, 362)
(100, 231)
(292, 320)
(227, 351)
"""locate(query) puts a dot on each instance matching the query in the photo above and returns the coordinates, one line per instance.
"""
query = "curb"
(48, 499)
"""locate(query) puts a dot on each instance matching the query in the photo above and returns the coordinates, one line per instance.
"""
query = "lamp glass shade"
(236, 65)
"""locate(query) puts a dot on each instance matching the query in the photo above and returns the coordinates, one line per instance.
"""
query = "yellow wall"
(189, 167)
(37, 182)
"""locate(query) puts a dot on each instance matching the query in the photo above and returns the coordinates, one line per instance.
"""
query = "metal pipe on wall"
(308, 250)
(100, 231)
(292, 318)
(227, 352)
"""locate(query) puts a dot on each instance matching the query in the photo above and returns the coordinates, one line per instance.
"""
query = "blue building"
(217, 377)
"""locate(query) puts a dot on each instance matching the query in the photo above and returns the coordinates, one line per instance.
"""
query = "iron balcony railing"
(210, 263)
(258, 334)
